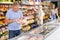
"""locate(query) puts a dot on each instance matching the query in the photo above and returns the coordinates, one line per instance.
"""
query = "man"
(40, 15)
(56, 10)
(13, 16)
(53, 13)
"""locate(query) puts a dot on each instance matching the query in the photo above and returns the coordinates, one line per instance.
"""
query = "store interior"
(33, 24)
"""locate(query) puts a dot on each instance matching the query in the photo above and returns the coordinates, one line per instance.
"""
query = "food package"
(6, 0)
(2, 17)
(45, 17)
(22, 22)
(35, 31)
(23, 38)
(30, 21)
(26, 28)
(1, 23)
(28, 37)
(31, 16)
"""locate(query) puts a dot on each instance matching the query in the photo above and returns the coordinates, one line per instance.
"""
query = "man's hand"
(18, 20)
(7, 21)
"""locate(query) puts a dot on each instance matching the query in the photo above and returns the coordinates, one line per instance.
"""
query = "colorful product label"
(6, 0)
(1, 0)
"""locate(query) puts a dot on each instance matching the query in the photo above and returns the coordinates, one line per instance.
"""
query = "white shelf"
(6, 2)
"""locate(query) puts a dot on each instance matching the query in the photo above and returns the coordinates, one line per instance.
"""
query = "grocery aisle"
(34, 13)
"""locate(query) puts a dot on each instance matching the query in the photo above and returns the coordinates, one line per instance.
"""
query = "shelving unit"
(47, 9)
(30, 12)
(30, 16)
(6, 2)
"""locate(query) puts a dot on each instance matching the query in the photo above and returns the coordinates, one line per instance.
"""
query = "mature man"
(53, 13)
(12, 16)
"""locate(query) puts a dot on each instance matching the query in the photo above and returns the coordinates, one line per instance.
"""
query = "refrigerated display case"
(43, 31)
(29, 37)
(46, 29)
(55, 35)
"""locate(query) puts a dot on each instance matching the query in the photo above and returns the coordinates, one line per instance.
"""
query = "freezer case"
(47, 28)
(28, 37)
(41, 32)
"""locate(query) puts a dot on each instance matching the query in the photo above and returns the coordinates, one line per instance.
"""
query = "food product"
(31, 16)
(35, 31)
(29, 37)
(1, 23)
(30, 21)
(26, 28)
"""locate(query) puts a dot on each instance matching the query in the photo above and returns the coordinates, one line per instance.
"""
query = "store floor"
(55, 35)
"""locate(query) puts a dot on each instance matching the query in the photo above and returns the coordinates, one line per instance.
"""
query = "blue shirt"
(53, 14)
(14, 15)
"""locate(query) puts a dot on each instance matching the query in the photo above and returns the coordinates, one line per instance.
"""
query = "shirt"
(14, 15)
(53, 11)
(53, 14)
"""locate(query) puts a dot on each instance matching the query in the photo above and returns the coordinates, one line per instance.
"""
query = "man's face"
(15, 8)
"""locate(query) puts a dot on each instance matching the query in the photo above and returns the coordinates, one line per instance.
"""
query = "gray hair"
(15, 4)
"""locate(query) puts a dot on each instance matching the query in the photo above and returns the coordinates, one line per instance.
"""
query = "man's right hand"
(7, 21)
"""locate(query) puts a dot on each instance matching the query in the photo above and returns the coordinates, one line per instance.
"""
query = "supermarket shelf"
(2, 17)
(6, 2)
(30, 4)
(28, 23)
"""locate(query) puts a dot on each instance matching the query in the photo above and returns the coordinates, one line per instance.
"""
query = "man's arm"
(7, 20)
(18, 20)
(21, 15)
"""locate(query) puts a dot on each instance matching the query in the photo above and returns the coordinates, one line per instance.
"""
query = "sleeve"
(21, 14)
(8, 15)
